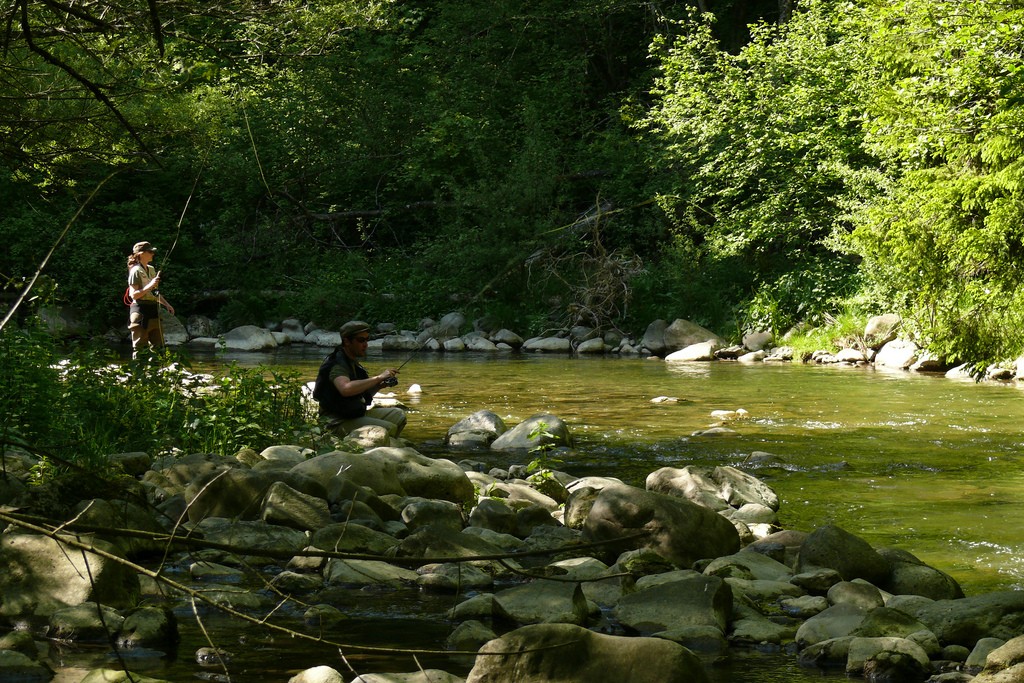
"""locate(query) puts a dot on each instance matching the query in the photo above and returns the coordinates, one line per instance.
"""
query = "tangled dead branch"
(597, 280)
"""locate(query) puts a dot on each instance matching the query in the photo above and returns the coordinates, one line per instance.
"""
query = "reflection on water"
(929, 465)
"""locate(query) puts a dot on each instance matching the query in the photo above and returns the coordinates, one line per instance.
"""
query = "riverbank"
(878, 344)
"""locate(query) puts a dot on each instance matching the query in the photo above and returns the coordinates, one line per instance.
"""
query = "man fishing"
(345, 389)
(145, 299)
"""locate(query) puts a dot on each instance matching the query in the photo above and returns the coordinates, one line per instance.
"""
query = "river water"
(926, 464)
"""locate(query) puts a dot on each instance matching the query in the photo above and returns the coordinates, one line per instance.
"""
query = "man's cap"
(142, 246)
(352, 328)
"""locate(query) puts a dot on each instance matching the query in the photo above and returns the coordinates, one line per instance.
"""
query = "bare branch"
(86, 83)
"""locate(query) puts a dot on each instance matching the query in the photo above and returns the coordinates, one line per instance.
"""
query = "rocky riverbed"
(550, 577)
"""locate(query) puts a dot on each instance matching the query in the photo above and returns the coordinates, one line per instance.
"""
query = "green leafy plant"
(542, 452)
(844, 329)
(75, 406)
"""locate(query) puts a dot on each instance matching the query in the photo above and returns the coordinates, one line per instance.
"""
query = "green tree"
(762, 146)
(943, 237)
(386, 160)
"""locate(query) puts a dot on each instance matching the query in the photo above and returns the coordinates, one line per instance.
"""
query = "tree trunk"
(785, 10)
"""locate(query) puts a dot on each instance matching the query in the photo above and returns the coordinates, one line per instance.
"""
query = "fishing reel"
(389, 382)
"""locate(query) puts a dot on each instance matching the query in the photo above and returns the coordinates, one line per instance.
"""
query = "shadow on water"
(929, 465)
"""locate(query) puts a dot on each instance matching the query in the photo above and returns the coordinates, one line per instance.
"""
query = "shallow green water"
(929, 465)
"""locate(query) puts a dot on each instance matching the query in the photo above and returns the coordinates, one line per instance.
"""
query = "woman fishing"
(144, 314)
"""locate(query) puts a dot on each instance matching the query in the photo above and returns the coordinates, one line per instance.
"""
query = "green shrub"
(77, 406)
(844, 329)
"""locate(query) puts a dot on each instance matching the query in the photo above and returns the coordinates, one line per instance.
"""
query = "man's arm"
(354, 387)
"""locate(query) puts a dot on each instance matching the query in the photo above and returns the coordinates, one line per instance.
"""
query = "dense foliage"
(73, 409)
(942, 237)
(604, 162)
(762, 145)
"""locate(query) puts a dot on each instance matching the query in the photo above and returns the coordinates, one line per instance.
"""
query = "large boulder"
(592, 347)
(286, 506)
(544, 602)
(318, 674)
(174, 474)
(654, 337)
(887, 659)
(340, 572)
(548, 345)
(440, 543)
(564, 653)
(453, 577)
(910, 576)
(682, 333)
(293, 331)
(881, 329)
(700, 351)
(326, 338)
(423, 512)
(898, 354)
(479, 429)
(116, 515)
(421, 676)
(85, 623)
(148, 627)
(492, 513)
(254, 537)
(474, 342)
(234, 492)
(718, 488)
(968, 620)
(750, 565)
(759, 340)
(17, 666)
(248, 338)
(536, 431)
(173, 329)
(1005, 664)
(349, 537)
(837, 621)
(201, 326)
(831, 547)
(39, 575)
(449, 326)
(677, 529)
(118, 676)
(507, 337)
(388, 470)
(693, 600)
(781, 546)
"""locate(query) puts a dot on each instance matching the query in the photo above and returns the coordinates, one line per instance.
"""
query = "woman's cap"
(142, 246)
(352, 328)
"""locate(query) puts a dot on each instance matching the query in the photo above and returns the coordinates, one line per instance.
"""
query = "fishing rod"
(177, 235)
(181, 220)
(393, 381)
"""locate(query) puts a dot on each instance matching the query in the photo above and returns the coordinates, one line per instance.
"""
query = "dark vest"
(331, 401)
